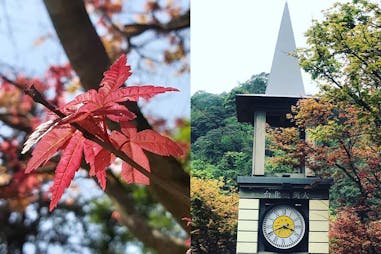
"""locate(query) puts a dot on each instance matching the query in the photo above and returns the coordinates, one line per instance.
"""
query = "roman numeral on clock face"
(283, 227)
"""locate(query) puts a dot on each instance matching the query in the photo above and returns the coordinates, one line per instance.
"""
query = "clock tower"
(286, 213)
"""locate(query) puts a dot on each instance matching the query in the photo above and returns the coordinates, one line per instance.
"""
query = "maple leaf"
(116, 75)
(98, 158)
(89, 111)
(153, 142)
(133, 93)
(105, 101)
(66, 168)
(132, 143)
(49, 144)
(129, 174)
(91, 104)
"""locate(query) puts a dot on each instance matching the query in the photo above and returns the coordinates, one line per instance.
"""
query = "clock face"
(283, 227)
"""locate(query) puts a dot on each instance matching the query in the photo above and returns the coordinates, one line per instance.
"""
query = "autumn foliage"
(344, 121)
(214, 217)
(86, 116)
(349, 234)
(344, 148)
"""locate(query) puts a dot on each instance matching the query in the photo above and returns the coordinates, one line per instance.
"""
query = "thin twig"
(16, 84)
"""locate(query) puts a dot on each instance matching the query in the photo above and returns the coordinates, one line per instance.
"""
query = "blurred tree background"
(63, 48)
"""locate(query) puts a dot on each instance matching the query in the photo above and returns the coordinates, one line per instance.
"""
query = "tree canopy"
(344, 56)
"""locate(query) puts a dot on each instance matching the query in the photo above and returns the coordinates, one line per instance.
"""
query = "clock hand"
(282, 227)
(286, 227)
(275, 229)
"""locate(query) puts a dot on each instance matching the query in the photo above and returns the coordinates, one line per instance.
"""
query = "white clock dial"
(283, 227)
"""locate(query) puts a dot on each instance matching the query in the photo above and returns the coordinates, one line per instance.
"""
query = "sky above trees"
(233, 40)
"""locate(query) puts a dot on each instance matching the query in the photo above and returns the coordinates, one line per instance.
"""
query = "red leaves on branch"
(90, 111)
(349, 234)
(132, 143)
(105, 101)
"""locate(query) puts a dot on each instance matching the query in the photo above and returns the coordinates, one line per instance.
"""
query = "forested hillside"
(221, 149)
(221, 146)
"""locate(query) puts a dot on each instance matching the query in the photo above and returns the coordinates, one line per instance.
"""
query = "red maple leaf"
(70, 161)
(90, 110)
(98, 159)
(132, 143)
(105, 101)
(48, 146)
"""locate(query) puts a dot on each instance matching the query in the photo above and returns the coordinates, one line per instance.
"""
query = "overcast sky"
(233, 39)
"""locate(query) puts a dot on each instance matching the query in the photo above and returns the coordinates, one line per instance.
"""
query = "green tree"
(234, 164)
(220, 144)
(207, 113)
(345, 122)
(217, 147)
(202, 169)
(344, 54)
(255, 85)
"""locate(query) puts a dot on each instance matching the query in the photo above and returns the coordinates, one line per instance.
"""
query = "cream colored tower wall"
(259, 143)
(318, 242)
(247, 235)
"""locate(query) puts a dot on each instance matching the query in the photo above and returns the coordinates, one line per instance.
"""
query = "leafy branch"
(86, 114)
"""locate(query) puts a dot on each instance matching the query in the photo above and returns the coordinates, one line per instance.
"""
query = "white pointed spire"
(285, 76)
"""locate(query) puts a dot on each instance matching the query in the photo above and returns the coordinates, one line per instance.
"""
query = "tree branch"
(20, 125)
(352, 178)
(138, 225)
(353, 52)
(18, 85)
(131, 30)
(79, 39)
